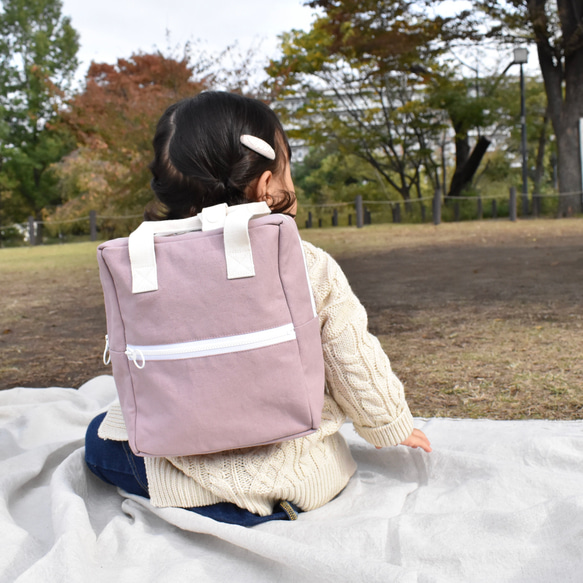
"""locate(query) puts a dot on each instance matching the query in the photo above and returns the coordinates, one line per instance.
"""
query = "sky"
(111, 29)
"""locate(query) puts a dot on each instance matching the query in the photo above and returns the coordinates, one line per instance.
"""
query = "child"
(220, 147)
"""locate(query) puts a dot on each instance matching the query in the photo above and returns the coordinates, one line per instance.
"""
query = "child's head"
(200, 160)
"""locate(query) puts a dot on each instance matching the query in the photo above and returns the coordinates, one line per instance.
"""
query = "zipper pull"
(106, 355)
(137, 357)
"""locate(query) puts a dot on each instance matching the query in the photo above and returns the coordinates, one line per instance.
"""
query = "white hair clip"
(258, 145)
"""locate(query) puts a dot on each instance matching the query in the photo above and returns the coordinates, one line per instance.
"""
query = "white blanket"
(495, 501)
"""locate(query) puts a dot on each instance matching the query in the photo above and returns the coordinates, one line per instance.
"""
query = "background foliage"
(387, 99)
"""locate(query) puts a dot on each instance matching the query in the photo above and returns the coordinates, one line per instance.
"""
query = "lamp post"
(520, 58)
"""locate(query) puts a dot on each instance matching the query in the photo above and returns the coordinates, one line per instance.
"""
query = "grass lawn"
(480, 319)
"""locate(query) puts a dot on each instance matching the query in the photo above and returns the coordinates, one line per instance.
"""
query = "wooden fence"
(428, 208)
(357, 213)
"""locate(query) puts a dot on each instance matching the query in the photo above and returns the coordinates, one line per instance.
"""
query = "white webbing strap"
(235, 221)
(141, 249)
(236, 234)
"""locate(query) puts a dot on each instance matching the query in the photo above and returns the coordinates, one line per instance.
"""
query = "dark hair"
(199, 160)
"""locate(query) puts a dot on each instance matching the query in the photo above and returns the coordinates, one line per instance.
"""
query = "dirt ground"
(491, 326)
(479, 319)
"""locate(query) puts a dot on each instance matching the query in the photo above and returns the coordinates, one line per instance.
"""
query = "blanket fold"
(494, 501)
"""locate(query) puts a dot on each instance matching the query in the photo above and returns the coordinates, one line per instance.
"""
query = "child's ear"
(261, 188)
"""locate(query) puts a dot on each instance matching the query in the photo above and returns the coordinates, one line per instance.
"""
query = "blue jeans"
(115, 463)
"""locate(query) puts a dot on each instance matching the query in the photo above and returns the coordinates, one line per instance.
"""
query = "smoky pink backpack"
(212, 332)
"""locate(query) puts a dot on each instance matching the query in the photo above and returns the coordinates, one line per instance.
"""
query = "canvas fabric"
(208, 357)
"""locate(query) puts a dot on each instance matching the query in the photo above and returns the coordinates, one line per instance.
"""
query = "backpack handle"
(234, 220)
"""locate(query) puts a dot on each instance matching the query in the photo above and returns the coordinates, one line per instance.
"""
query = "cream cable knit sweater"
(308, 471)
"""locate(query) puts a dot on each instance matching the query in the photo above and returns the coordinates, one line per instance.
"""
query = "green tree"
(469, 110)
(556, 28)
(325, 176)
(38, 48)
(538, 129)
(356, 85)
(378, 79)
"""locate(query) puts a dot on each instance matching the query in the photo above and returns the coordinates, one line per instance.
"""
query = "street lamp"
(520, 58)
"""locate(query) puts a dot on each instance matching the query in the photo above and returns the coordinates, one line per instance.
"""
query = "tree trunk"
(1, 201)
(569, 168)
(462, 153)
(463, 177)
(571, 16)
(540, 155)
(539, 167)
(565, 109)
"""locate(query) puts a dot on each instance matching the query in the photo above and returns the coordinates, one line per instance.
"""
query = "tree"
(114, 117)
(325, 176)
(471, 107)
(114, 120)
(395, 35)
(38, 48)
(395, 58)
(556, 28)
(355, 75)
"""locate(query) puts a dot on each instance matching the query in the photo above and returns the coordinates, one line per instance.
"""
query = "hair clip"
(258, 145)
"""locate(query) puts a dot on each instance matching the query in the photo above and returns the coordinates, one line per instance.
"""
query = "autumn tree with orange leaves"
(114, 119)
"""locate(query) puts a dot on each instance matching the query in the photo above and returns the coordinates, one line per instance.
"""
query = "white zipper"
(198, 348)
(106, 355)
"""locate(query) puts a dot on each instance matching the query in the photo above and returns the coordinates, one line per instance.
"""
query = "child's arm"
(358, 372)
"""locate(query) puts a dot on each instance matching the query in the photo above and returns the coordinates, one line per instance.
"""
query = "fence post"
(397, 213)
(437, 207)
(535, 204)
(524, 204)
(494, 209)
(359, 212)
(320, 223)
(93, 225)
(309, 221)
(31, 231)
(422, 212)
(367, 216)
(335, 218)
(350, 220)
(480, 209)
(512, 209)
(456, 211)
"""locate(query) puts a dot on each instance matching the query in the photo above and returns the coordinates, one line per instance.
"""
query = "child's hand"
(415, 440)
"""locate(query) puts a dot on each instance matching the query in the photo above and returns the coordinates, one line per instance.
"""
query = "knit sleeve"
(358, 372)
(113, 426)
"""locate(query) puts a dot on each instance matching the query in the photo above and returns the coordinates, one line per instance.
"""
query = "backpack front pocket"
(139, 355)
(219, 394)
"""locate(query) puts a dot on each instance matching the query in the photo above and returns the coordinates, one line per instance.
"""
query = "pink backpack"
(212, 332)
